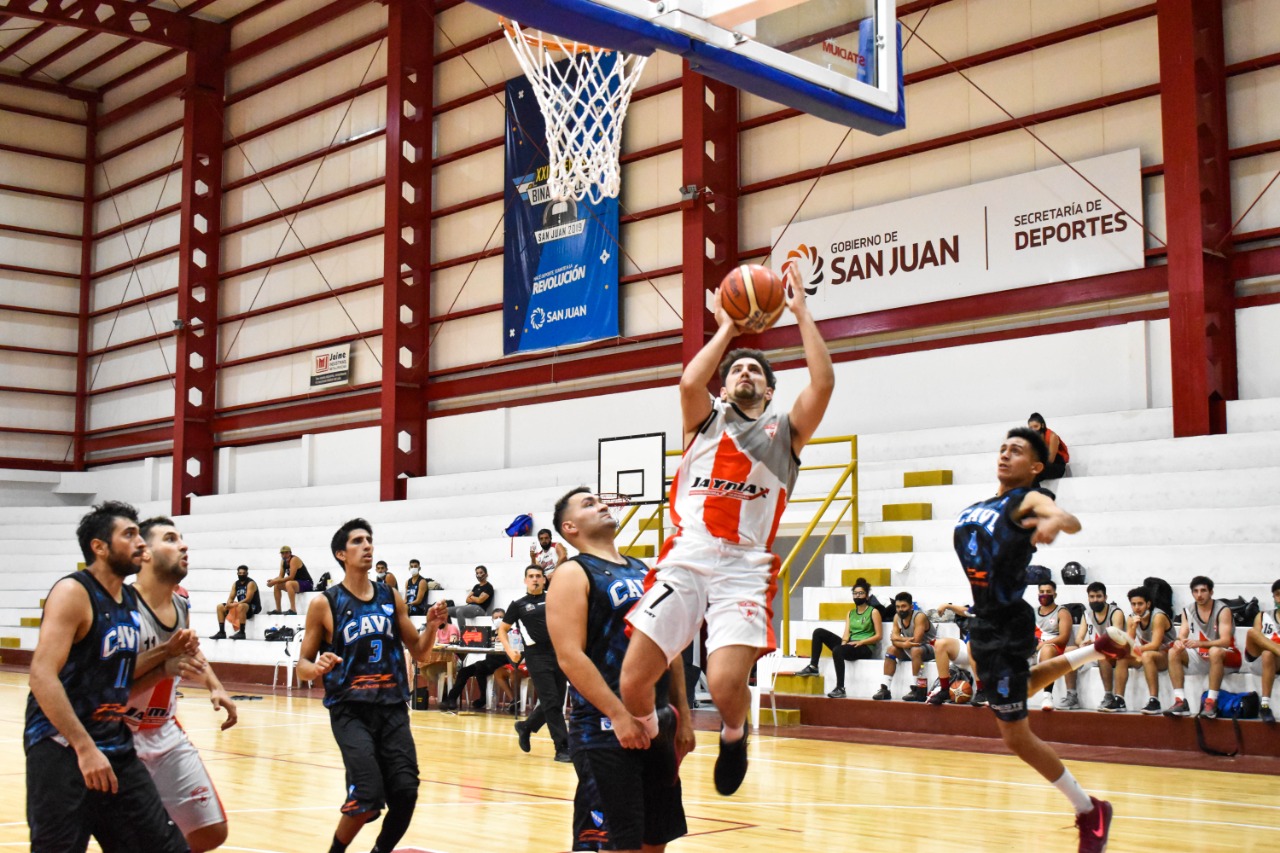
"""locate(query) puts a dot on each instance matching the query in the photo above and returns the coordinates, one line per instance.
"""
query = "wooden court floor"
(280, 778)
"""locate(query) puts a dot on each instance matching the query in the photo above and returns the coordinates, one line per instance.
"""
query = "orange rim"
(547, 44)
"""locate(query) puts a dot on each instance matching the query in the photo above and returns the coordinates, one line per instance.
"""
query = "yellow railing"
(848, 506)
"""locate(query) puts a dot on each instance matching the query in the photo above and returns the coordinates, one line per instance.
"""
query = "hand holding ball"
(753, 297)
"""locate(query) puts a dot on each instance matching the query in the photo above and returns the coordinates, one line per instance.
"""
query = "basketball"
(961, 691)
(753, 296)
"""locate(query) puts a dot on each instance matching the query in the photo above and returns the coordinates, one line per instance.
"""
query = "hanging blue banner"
(560, 275)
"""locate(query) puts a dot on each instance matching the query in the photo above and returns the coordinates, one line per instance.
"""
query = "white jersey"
(152, 707)
(1271, 625)
(1047, 627)
(544, 559)
(735, 476)
(1096, 624)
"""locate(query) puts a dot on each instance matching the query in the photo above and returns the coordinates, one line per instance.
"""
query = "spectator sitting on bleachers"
(862, 635)
(415, 590)
(1151, 634)
(1262, 650)
(479, 600)
(1208, 630)
(293, 579)
(241, 605)
(438, 661)
(1100, 615)
(547, 554)
(951, 651)
(911, 639)
(382, 575)
(1059, 456)
(1053, 637)
(480, 670)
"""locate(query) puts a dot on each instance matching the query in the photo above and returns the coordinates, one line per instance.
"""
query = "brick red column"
(710, 220)
(199, 256)
(406, 280)
(1202, 326)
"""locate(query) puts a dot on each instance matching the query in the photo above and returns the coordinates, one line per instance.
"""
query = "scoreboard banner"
(560, 266)
(1035, 228)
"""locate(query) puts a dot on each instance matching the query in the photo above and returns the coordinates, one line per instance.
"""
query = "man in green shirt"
(862, 634)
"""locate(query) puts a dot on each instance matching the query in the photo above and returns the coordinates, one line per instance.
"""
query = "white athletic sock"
(1178, 694)
(1266, 701)
(650, 723)
(1213, 695)
(1071, 789)
(732, 735)
(1083, 655)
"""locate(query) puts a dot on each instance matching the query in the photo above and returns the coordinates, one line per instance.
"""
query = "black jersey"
(302, 575)
(613, 589)
(995, 550)
(242, 594)
(531, 612)
(411, 588)
(366, 635)
(98, 672)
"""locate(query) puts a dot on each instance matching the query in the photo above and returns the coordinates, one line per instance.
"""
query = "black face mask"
(1097, 606)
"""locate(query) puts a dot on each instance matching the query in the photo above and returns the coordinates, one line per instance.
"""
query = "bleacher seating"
(1150, 505)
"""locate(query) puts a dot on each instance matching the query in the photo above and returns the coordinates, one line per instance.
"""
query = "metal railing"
(848, 505)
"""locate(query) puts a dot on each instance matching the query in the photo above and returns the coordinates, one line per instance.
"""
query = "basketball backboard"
(838, 59)
(635, 466)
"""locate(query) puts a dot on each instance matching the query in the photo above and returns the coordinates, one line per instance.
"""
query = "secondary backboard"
(635, 466)
(838, 59)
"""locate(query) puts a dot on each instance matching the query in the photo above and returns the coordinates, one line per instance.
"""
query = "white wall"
(1258, 348)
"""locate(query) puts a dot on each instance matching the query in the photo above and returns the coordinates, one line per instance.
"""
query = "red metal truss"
(1197, 184)
(710, 217)
(406, 280)
(86, 286)
(119, 17)
(195, 387)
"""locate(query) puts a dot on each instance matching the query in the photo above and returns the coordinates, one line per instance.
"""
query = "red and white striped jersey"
(735, 476)
(152, 707)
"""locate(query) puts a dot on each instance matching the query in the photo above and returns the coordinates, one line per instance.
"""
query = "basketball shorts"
(62, 813)
(1198, 664)
(306, 585)
(904, 655)
(184, 784)
(729, 586)
(1001, 643)
(961, 657)
(377, 751)
(621, 803)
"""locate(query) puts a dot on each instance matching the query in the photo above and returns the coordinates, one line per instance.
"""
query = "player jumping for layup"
(740, 463)
(994, 540)
(355, 638)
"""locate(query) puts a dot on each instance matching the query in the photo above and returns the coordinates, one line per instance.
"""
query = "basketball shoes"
(1113, 644)
(1094, 826)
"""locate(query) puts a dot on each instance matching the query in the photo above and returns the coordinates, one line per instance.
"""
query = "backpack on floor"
(1232, 706)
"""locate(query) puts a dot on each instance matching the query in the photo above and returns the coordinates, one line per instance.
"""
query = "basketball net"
(583, 102)
(616, 503)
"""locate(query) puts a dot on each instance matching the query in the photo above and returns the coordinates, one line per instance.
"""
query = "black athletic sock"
(396, 823)
(222, 626)
(337, 846)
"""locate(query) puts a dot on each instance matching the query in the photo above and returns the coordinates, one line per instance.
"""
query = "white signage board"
(1040, 227)
(331, 366)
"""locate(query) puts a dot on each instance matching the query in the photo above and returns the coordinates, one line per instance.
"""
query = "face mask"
(414, 571)
(1097, 606)
(382, 573)
(859, 599)
(1046, 600)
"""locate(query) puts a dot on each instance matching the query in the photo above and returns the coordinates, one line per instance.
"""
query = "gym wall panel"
(54, 137)
(653, 244)
(1252, 28)
(363, 162)
(133, 322)
(290, 375)
(652, 305)
(131, 405)
(491, 65)
(28, 370)
(269, 20)
(1259, 351)
(141, 200)
(39, 291)
(134, 363)
(468, 178)
(1250, 104)
(356, 262)
(145, 278)
(262, 467)
(464, 23)
(139, 86)
(467, 125)
(123, 246)
(475, 442)
(467, 232)
(653, 120)
(352, 315)
(136, 160)
(39, 173)
(329, 79)
(37, 330)
(1249, 180)
(468, 340)
(43, 101)
(36, 411)
(46, 253)
(350, 456)
(466, 286)
(337, 219)
(649, 183)
(26, 446)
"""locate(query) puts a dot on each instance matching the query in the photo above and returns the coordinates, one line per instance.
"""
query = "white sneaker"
(1047, 704)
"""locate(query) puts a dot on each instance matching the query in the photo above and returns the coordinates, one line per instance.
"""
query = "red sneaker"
(1113, 643)
(1094, 826)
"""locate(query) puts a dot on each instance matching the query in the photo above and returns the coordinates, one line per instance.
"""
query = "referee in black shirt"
(530, 611)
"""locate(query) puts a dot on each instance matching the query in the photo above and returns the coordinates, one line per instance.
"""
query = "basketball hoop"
(583, 102)
(616, 504)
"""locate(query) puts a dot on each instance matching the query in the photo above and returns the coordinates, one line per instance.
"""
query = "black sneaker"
(939, 697)
(221, 635)
(810, 669)
(1265, 714)
(563, 758)
(273, 612)
(1120, 706)
(915, 694)
(1110, 704)
(838, 693)
(667, 763)
(980, 699)
(522, 736)
(1209, 710)
(447, 704)
(1179, 708)
(1152, 707)
(881, 694)
(238, 635)
(290, 613)
(731, 765)
(477, 704)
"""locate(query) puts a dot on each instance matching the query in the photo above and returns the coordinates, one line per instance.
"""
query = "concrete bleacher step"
(875, 577)
(10, 643)
(640, 552)
(916, 479)
(797, 684)
(784, 716)
(906, 512)
(885, 543)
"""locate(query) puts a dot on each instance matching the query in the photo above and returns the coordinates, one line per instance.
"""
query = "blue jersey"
(366, 635)
(612, 591)
(98, 672)
(995, 550)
